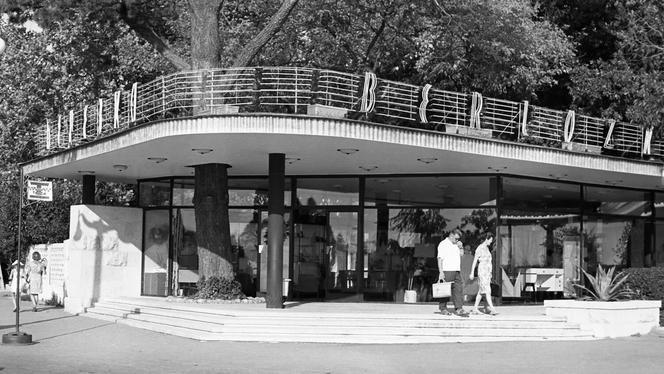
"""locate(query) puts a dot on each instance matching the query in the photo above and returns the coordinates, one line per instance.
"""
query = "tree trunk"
(273, 26)
(212, 224)
(205, 42)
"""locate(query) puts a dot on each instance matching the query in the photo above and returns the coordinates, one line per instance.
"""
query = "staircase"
(239, 323)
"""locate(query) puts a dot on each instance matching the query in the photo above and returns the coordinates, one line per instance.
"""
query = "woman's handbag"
(441, 289)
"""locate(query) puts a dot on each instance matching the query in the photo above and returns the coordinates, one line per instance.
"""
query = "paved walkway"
(77, 344)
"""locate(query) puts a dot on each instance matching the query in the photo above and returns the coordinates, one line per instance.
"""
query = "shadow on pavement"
(2, 327)
(76, 331)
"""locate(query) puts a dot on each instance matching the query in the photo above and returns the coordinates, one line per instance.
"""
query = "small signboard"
(39, 190)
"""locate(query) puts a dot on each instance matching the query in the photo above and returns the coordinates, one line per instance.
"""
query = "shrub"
(648, 283)
(53, 301)
(219, 288)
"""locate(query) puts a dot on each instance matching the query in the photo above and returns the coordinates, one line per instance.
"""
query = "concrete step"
(375, 330)
(184, 309)
(219, 323)
(345, 321)
(231, 310)
(329, 338)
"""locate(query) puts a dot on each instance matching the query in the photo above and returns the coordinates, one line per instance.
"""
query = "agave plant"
(606, 286)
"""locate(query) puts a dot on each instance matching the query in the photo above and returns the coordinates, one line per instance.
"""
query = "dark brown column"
(88, 197)
(275, 230)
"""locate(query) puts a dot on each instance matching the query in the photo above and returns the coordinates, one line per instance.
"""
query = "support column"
(88, 197)
(275, 230)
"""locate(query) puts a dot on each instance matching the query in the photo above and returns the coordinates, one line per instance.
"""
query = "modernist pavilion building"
(373, 174)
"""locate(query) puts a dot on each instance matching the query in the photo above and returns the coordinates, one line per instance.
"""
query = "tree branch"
(377, 36)
(273, 26)
(144, 31)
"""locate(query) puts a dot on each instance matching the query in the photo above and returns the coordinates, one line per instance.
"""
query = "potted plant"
(410, 295)
(607, 310)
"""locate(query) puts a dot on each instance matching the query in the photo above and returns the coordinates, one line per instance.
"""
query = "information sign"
(39, 190)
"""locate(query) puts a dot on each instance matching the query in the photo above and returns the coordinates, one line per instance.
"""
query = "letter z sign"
(41, 191)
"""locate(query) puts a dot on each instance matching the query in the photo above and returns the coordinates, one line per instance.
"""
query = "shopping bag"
(441, 289)
(410, 297)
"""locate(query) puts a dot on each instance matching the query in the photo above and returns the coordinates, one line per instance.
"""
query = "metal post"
(18, 338)
(275, 230)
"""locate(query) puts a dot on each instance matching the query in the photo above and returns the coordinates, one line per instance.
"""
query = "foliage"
(219, 288)
(428, 222)
(498, 48)
(43, 72)
(647, 283)
(478, 222)
(628, 85)
(604, 286)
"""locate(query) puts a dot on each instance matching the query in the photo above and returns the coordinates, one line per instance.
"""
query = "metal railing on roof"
(319, 92)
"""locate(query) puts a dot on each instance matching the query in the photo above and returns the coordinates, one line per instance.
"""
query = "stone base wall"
(608, 319)
(102, 254)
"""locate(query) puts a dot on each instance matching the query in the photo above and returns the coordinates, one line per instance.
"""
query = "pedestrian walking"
(450, 251)
(13, 278)
(34, 272)
(483, 261)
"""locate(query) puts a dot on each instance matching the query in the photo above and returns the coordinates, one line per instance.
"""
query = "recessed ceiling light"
(427, 160)
(202, 151)
(337, 186)
(120, 167)
(157, 160)
(348, 151)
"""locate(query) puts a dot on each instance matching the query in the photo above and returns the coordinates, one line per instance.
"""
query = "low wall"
(608, 319)
(102, 254)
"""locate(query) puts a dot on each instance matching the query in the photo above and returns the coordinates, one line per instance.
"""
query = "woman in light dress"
(34, 271)
(13, 279)
(483, 262)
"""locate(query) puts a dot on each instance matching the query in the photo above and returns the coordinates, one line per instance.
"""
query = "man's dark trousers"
(457, 290)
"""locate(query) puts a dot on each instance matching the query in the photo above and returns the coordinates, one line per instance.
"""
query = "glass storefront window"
(456, 191)
(616, 201)
(327, 191)
(183, 192)
(612, 241)
(533, 243)
(155, 193)
(185, 251)
(324, 253)
(659, 244)
(244, 224)
(401, 247)
(253, 192)
(156, 253)
(659, 205)
(540, 196)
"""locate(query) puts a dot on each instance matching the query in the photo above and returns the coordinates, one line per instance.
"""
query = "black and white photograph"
(331, 186)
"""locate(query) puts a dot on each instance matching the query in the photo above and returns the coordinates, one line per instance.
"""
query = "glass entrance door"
(325, 254)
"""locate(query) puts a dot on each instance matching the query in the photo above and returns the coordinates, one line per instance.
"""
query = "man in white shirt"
(450, 251)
